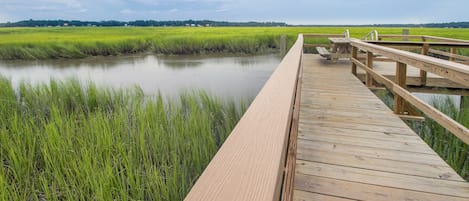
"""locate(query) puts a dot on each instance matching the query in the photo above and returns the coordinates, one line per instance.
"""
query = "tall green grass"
(78, 42)
(68, 141)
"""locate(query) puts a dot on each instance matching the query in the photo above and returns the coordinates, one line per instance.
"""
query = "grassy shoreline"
(63, 141)
(79, 42)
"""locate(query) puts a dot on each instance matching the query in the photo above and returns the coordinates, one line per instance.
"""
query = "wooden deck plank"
(380, 178)
(362, 191)
(383, 153)
(363, 134)
(385, 165)
(305, 195)
(352, 146)
(367, 142)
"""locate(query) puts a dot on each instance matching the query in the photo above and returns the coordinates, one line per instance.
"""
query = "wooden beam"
(448, 54)
(369, 64)
(452, 51)
(418, 43)
(401, 75)
(411, 118)
(438, 90)
(424, 38)
(454, 71)
(354, 55)
(423, 73)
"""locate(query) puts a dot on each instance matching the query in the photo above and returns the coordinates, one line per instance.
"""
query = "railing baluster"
(355, 56)
(423, 74)
(401, 76)
(369, 64)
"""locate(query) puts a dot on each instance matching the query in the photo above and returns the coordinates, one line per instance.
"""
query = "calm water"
(226, 76)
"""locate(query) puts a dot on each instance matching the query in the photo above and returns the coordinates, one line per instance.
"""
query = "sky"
(331, 12)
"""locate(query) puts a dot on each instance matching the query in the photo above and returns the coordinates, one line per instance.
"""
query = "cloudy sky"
(289, 11)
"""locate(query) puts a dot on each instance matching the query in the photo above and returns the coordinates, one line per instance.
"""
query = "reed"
(69, 141)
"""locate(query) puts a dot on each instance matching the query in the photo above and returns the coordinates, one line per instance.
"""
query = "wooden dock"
(316, 131)
(352, 147)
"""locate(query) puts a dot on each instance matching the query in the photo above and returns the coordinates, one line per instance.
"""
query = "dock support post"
(453, 51)
(355, 56)
(369, 64)
(283, 45)
(401, 76)
(405, 32)
(423, 74)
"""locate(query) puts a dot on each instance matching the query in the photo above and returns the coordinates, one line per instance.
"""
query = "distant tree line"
(143, 23)
(53, 23)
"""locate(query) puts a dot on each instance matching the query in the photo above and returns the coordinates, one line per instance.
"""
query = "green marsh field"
(62, 140)
(79, 42)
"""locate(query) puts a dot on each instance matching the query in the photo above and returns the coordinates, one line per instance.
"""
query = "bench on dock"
(324, 52)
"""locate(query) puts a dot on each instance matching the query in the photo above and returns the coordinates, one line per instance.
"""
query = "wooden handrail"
(453, 71)
(250, 164)
(424, 38)
(419, 43)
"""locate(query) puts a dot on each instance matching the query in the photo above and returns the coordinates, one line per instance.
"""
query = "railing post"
(405, 32)
(453, 52)
(401, 75)
(355, 56)
(369, 64)
(423, 74)
(283, 45)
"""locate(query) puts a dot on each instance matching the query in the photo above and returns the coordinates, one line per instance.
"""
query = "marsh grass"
(78, 42)
(68, 141)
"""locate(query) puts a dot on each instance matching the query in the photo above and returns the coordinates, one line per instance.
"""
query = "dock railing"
(250, 164)
(425, 43)
(456, 72)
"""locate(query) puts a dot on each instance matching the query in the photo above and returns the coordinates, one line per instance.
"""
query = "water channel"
(235, 76)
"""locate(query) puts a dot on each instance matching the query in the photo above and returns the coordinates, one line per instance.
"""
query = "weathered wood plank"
(306, 196)
(362, 191)
(379, 164)
(366, 142)
(382, 153)
(423, 184)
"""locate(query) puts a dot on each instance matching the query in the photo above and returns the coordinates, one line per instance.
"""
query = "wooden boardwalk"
(352, 147)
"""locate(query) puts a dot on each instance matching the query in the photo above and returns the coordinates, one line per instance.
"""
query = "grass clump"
(67, 141)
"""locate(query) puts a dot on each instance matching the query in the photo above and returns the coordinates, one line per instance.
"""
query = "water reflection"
(218, 74)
